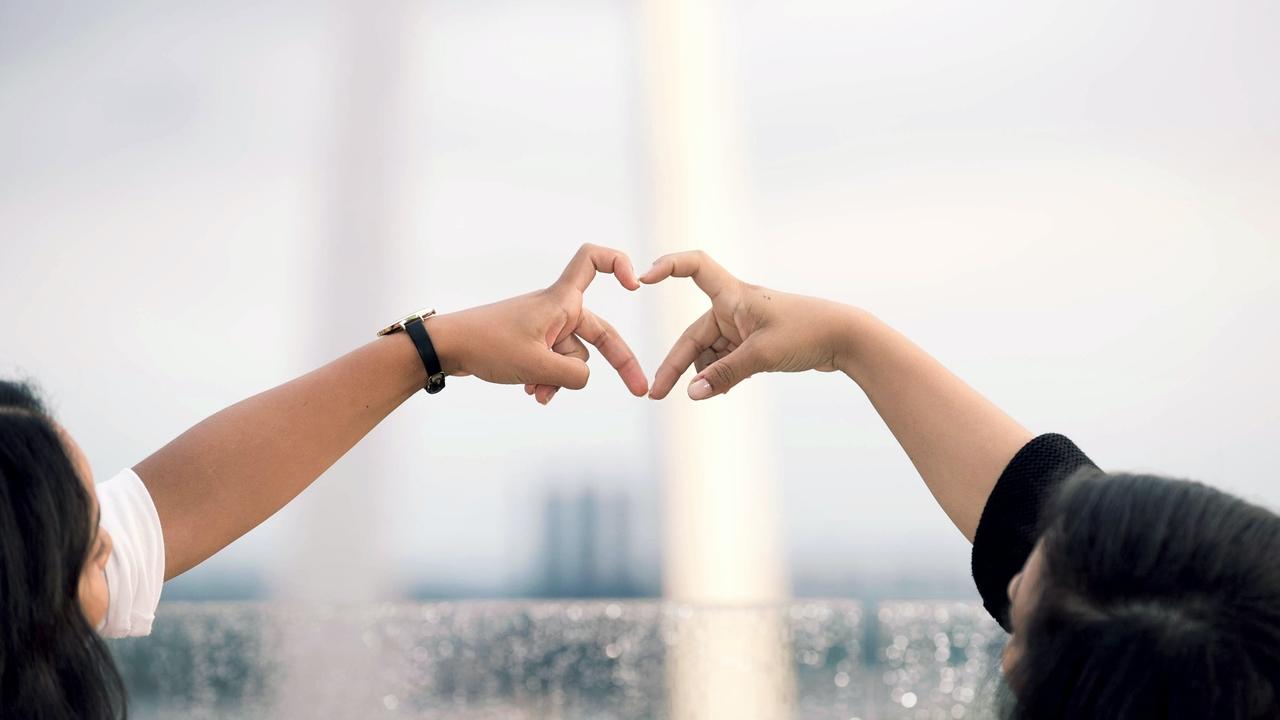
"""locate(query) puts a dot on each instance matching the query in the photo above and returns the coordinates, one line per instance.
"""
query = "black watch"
(415, 326)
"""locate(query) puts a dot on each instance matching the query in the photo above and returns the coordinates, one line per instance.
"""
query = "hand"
(748, 330)
(537, 339)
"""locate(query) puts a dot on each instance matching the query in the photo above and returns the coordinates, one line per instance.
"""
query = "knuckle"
(769, 358)
(557, 299)
(770, 355)
(723, 374)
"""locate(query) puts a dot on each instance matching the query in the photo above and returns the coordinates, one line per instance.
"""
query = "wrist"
(448, 341)
(402, 361)
(852, 327)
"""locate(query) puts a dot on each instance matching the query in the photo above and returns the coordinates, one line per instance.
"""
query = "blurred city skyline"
(1072, 205)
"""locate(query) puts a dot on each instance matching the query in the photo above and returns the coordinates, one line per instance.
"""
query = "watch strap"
(417, 331)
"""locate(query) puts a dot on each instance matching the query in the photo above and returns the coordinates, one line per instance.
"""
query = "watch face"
(398, 325)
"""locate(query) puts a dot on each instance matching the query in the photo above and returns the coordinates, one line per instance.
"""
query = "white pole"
(337, 556)
(721, 524)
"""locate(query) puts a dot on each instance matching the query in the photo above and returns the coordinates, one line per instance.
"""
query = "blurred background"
(1071, 204)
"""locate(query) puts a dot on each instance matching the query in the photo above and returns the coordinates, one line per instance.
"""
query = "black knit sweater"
(1008, 528)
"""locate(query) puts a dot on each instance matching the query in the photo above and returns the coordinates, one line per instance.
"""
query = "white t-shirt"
(135, 570)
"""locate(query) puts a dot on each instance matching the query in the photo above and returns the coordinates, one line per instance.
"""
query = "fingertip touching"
(598, 332)
(633, 376)
(640, 387)
(626, 274)
(591, 259)
(706, 272)
(663, 381)
(661, 269)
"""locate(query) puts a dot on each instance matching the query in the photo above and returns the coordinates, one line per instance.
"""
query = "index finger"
(601, 334)
(707, 273)
(592, 259)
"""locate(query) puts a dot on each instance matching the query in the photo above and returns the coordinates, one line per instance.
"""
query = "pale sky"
(1071, 204)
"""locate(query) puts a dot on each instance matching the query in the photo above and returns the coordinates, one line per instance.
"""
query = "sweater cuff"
(1010, 522)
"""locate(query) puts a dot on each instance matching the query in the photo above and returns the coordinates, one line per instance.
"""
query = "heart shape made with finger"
(711, 338)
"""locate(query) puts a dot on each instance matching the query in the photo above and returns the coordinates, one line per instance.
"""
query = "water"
(815, 660)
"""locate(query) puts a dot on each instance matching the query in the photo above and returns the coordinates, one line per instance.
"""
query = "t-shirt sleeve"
(135, 570)
(1007, 530)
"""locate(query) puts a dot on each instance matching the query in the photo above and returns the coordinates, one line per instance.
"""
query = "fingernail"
(700, 390)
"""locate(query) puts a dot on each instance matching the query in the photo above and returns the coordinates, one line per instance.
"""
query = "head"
(1147, 597)
(53, 556)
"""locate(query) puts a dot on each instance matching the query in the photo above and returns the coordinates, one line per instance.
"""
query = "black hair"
(53, 665)
(1158, 598)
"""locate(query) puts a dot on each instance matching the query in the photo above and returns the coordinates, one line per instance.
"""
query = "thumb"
(552, 368)
(718, 377)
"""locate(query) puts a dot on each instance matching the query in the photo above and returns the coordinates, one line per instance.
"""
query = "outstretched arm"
(235, 469)
(958, 440)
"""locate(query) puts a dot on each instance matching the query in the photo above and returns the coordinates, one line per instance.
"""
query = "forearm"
(235, 469)
(958, 440)
(227, 474)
